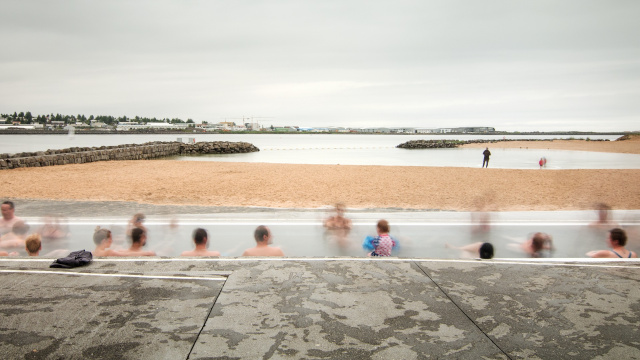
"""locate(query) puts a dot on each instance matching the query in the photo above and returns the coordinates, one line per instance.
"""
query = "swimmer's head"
(100, 235)
(139, 217)
(200, 236)
(138, 236)
(20, 228)
(539, 241)
(383, 226)
(618, 236)
(33, 244)
(486, 251)
(262, 233)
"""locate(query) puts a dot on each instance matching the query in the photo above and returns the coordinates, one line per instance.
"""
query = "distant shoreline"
(173, 132)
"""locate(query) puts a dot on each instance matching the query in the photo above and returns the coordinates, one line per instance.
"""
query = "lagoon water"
(349, 149)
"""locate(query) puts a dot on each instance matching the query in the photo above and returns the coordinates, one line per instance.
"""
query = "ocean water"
(348, 149)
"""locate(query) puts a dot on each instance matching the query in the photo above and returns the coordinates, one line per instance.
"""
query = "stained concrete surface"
(319, 309)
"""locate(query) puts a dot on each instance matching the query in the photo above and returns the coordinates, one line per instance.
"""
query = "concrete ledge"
(319, 308)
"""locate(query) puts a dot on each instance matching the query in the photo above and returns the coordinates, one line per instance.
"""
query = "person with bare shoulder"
(138, 240)
(604, 222)
(102, 239)
(201, 239)
(263, 239)
(338, 221)
(617, 240)
(15, 239)
(8, 218)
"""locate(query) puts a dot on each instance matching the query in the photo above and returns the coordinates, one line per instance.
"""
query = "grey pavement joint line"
(462, 311)
(204, 323)
(162, 277)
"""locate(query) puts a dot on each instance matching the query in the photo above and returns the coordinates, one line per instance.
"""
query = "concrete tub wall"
(145, 151)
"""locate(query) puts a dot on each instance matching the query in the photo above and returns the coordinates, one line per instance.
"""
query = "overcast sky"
(514, 65)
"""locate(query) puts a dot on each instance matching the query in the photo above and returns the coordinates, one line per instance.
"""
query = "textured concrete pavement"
(319, 309)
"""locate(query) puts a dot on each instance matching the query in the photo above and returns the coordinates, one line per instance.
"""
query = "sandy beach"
(165, 182)
(631, 146)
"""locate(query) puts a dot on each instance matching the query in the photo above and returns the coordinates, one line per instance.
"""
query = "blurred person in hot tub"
(338, 226)
(14, 240)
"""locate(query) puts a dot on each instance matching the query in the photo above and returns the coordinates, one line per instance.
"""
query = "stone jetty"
(444, 144)
(430, 144)
(150, 150)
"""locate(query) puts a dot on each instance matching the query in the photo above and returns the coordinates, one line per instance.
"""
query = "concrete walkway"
(319, 309)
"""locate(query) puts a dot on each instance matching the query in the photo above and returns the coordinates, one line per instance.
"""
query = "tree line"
(28, 118)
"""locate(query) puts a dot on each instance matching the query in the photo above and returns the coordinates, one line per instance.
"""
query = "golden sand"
(313, 186)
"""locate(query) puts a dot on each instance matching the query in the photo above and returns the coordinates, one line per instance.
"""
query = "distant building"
(11, 126)
(474, 129)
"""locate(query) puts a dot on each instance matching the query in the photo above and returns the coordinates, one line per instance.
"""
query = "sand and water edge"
(263, 185)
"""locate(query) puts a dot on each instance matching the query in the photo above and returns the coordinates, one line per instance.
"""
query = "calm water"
(349, 149)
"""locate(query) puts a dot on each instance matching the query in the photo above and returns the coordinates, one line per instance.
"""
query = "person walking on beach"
(263, 237)
(486, 154)
(201, 239)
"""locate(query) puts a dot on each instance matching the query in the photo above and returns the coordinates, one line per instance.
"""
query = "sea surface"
(350, 149)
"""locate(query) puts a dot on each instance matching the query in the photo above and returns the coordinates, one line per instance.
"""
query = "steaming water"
(421, 234)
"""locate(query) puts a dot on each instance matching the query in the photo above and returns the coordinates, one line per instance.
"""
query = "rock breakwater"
(430, 144)
(151, 150)
(443, 144)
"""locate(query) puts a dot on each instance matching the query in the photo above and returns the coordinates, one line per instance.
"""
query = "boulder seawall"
(151, 150)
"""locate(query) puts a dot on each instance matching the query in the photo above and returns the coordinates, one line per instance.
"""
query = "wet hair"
(618, 235)
(200, 236)
(100, 235)
(383, 226)
(136, 235)
(260, 233)
(10, 203)
(486, 251)
(33, 243)
(20, 228)
(538, 242)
